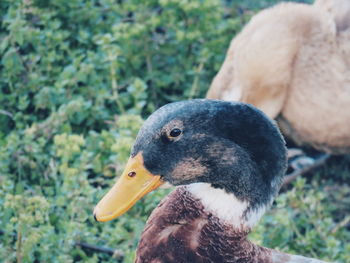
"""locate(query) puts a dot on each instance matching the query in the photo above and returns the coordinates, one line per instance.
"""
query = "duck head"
(231, 148)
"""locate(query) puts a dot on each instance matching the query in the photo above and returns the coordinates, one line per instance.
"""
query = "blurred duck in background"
(292, 61)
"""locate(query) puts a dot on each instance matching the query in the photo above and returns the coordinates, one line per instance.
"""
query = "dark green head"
(232, 146)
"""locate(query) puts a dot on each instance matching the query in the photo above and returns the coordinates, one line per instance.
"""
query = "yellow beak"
(135, 182)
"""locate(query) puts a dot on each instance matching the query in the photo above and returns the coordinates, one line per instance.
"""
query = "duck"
(226, 161)
(292, 61)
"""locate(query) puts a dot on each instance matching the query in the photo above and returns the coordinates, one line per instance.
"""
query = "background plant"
(77, 78)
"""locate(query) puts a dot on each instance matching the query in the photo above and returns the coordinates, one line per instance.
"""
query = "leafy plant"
(77, 79)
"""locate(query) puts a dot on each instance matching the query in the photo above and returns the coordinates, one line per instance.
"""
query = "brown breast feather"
(180, 230)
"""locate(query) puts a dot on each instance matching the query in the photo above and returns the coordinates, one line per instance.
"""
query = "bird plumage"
(227, 160)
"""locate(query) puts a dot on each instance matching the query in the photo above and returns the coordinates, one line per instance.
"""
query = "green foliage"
(304, 221)
(77, 79)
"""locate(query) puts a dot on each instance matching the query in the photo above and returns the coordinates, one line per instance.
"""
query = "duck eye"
(175, 132)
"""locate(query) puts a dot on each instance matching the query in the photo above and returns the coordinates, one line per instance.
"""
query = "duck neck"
(239, 214)
(232, 220)
(186, 228)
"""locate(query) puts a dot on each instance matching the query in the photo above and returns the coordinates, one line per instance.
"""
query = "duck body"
(293, 62)
(227, 161)
(181, 229)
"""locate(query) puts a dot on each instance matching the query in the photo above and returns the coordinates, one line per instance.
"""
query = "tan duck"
(292, 61)
(227, 161)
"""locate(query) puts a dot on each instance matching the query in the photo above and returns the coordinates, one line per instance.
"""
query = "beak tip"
(95, 214)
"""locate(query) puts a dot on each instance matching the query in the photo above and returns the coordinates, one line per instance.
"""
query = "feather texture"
(181, 230)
